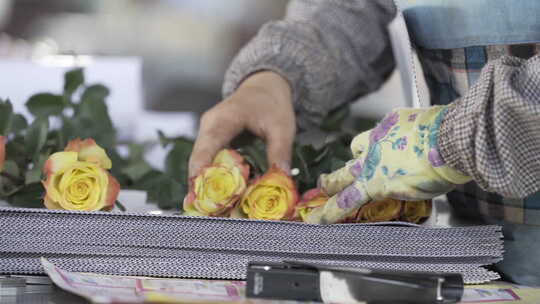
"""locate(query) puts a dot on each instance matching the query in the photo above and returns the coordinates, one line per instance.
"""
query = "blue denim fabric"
(447, 24)
(521, 263)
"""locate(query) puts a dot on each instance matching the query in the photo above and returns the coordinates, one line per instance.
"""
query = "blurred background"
(163, 60)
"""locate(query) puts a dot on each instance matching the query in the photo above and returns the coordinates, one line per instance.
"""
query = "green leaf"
(136, 170)
(165, 141)
(36, 136)
(16, 150)
(334, 120)
(45, 104)
(301, 162)
(92, 117)
(255, 155)
(31, 196)
(170, 195)
(162, 189)
(10, 166)
(341, 151)
(19, 123)
(136, 152)
(336, 163)
(34, 175)
(6, 116)
(95, 92)
(176, 162)
(72, 81)
(120, 206)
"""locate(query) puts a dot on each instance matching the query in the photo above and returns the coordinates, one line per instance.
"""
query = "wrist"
(267, 83)
(448, 150)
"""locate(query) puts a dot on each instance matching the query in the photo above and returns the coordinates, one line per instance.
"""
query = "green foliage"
(72, 81)
(44, 105)
(6, 116)
(80, 111)
(36, 136)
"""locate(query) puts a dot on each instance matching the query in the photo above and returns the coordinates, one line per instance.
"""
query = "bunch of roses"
(223, 189)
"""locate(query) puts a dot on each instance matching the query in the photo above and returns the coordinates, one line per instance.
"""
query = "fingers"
(336, 181)
(216, 130)
(262, 105)
(360, 144)
(340, 205)
(279, 148)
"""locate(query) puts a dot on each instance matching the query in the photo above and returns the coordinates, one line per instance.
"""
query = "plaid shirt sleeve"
(331, 52)
(492, 133)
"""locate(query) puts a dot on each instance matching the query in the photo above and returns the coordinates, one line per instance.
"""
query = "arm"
(493, 132)
(330, 52)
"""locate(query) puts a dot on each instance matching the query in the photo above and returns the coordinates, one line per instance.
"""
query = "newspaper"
(123, 289)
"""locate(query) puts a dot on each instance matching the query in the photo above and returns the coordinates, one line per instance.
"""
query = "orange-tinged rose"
(380, 211)
(217, 188)
(2, 152)
(76, 179)
(415, 212)
(273, 196)
(311, 199)
(89, 151)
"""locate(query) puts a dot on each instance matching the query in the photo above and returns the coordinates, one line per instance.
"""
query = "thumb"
(340, 205)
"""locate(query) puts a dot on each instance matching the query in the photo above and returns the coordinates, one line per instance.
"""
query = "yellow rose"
(380, 211)
(272, 196)
(415, 212)
(77, 179)
(2, 152)
(217, 188)
(310, 199)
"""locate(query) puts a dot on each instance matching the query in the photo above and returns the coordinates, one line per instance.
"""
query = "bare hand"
(261, 105)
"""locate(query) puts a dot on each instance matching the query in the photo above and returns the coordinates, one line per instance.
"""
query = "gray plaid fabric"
(334, 51)
(177, 246)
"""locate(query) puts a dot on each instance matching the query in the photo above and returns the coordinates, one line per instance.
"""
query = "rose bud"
(2, 152)
(415, 212)
(273, 196)
(380, 211)
(77, 179)
(218, 187)
(311, 199)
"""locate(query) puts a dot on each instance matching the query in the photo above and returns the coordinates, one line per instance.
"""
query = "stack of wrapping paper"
(220, 248)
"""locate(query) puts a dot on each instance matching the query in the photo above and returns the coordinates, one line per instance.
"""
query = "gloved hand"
(397, 159)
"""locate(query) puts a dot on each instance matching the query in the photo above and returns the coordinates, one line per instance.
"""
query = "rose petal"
(312, 194)
(50, 204)
(89, 151)
(188, 206)
(59, 161)
(2, 152)
(381, 211)
(231, 158)
(113, 188)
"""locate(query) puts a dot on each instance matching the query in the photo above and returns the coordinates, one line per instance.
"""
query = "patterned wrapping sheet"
(220, 248)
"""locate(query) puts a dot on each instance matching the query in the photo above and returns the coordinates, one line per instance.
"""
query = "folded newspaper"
(220, 248)
(123, 289)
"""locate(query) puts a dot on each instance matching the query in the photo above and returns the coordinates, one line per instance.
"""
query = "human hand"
(262, 105)
(397, 159)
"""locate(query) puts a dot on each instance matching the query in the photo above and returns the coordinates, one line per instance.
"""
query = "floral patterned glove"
(397, 159)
